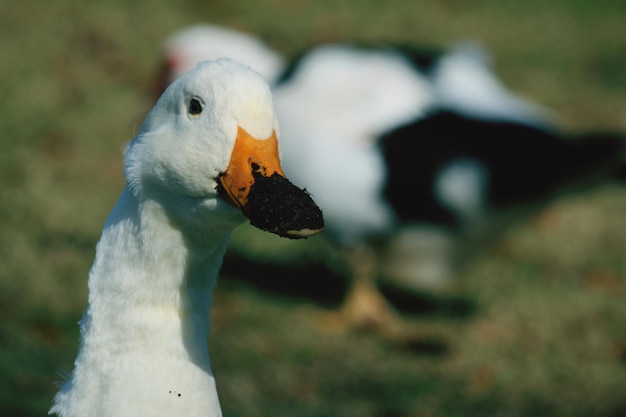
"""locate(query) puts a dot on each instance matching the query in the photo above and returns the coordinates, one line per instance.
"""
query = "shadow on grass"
(314, 283)
(319, 284)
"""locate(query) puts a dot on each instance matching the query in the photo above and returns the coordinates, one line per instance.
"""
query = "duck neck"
(144, 333)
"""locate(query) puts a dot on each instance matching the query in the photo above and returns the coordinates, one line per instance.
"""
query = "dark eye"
(195, 107)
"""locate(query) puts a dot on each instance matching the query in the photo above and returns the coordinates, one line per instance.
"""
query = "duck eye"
(195, 107)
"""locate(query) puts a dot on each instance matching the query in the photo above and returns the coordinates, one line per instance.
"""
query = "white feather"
(340, 101)
(144, 333)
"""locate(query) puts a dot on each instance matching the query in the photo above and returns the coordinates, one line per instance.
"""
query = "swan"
(205, 158)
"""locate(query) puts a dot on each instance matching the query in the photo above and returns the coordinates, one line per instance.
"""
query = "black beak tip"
(277, 206)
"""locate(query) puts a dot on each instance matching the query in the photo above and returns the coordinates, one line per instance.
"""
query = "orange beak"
(255, 183)
(249, 155)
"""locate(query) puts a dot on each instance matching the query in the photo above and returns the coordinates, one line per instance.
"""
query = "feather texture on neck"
(145, 330)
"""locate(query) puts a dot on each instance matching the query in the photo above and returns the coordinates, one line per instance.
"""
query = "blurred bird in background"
(184, 49)
(418, 158)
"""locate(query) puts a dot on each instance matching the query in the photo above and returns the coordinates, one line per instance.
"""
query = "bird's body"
(144, 333)
(416, 155)
(476, 167)
(351, 101)
(427, 154)
(348, 107)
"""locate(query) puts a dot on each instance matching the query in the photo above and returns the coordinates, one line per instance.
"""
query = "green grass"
(547, 333)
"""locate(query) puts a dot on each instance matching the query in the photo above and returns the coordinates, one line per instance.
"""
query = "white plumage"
(333, 109)
(144, 333)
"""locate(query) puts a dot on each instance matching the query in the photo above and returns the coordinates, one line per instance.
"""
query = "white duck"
(417, 158)
(206, 153)
(411, 154)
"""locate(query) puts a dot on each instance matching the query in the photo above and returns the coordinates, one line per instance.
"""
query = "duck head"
(210, 145)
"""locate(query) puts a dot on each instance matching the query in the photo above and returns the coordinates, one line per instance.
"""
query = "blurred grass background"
(546, 335)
